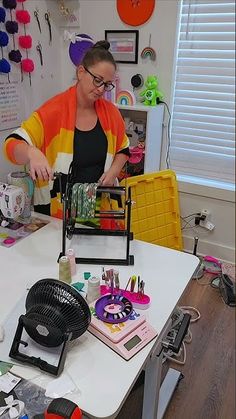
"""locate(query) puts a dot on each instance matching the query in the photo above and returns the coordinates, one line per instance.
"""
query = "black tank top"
(90, 150)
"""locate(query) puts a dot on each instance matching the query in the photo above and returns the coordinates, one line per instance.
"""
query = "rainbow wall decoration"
(125, 97)
(148, 52)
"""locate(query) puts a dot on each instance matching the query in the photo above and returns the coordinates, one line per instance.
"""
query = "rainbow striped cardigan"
(51, 129)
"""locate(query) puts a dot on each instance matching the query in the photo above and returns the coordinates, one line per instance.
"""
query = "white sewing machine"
(12, 202)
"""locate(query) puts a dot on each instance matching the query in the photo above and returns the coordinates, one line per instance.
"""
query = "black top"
(90, 150)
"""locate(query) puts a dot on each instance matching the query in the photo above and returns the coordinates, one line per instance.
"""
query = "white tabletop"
(102, 377)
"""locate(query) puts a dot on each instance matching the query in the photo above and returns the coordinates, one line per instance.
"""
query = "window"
(202, 132)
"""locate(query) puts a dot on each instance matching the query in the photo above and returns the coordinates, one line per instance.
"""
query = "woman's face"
(103, 71)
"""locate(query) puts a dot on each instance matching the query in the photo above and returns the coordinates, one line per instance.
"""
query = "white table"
(90, 363)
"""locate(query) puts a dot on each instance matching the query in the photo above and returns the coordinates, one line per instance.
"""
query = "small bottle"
(93, 292)
(64, 269)
(70, 253)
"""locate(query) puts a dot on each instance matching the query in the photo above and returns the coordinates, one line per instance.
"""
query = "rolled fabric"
(25, 41)
(23, 16)
(5, 66)
(15, 56)
(2, 14)
(9, 4)
(4, 39)
(11, 27)
(27, 65)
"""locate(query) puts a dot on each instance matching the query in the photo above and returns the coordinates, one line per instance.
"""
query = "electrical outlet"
(205, 213)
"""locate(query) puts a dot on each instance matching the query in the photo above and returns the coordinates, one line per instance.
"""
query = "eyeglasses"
(99, 82)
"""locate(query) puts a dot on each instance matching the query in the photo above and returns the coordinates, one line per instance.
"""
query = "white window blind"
(203, 124)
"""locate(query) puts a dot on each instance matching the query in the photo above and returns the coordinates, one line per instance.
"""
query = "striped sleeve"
(122, 139)
(31, 131)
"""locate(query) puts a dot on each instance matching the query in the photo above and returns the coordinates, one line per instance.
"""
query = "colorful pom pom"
(11, 27)
(2, 14)
(5, 66)
(27, 65)
(15, 56)
(4, 39)
(9, 4)
(23, 16)
(25, 41)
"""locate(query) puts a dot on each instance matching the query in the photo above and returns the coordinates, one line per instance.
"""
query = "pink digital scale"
(125, 338)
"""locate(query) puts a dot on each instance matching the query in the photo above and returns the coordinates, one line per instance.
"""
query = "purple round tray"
(79, 48)
(109, 299)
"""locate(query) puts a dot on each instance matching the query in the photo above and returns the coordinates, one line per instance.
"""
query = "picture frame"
(123, 45)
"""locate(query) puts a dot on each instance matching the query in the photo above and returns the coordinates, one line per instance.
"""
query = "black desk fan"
(55, 315)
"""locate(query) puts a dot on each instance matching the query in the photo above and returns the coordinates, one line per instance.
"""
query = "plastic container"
(70, 253)
(93, 292)
(64, 269)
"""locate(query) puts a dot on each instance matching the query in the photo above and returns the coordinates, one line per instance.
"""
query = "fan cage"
(56, 304)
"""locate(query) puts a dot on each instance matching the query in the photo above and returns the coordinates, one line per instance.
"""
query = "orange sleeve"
(8, 148)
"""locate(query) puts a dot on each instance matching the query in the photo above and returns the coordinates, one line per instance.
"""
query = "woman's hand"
(38, 164)
(107, 179)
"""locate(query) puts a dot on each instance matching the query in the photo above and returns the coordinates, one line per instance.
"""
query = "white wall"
(46, 80)
(96, 16)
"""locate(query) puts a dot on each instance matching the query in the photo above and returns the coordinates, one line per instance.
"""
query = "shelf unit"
(152, 117)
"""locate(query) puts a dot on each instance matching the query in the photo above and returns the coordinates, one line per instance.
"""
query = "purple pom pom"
(11, 27)
(2, 14)
(9, 4)
(4, 39)
(15, 55)
(5, 67)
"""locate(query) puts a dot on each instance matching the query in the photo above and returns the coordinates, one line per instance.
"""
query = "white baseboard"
(219, 251)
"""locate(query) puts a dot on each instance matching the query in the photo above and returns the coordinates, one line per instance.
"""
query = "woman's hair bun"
(102, 44)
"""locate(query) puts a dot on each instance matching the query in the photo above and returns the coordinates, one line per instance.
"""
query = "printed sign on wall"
(11, 105)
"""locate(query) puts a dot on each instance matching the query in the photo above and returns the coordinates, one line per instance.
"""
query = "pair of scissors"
(47, 18)
(39, 49)
(36, 15)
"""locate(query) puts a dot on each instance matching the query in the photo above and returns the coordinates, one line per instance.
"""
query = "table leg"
(152, 383)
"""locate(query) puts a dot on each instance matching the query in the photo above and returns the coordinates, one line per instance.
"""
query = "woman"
(77, 125)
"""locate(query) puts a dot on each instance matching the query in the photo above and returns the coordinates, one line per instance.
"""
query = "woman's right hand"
(38, 165)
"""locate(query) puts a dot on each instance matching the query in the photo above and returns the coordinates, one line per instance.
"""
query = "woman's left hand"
(107, 179)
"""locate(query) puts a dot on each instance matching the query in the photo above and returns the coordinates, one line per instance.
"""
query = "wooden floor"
(208, 388)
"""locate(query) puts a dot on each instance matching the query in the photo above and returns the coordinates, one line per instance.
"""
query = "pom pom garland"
(4, 39)
(5, 67)
(2, 15)
(23, 16)
(9, 4)
(15, 56)
(25, 41)
(27, 65)
(11, 27)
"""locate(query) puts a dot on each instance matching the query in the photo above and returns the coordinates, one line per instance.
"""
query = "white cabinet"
(152, 118)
